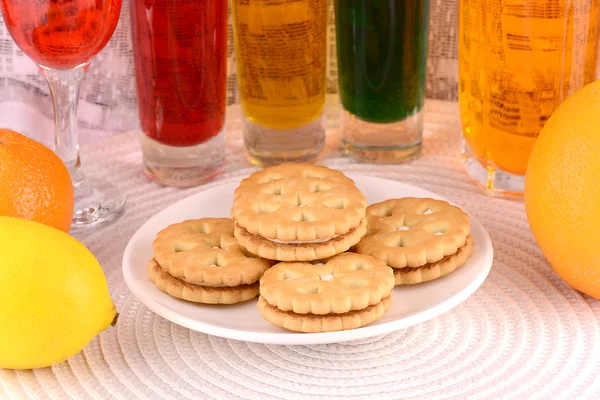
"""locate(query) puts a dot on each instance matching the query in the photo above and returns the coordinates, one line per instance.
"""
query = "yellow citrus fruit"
(54, 296)
(34, 182)
(562, 190)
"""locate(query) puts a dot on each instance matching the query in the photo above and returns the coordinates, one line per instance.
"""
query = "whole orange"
(34, 182)
(562, 190)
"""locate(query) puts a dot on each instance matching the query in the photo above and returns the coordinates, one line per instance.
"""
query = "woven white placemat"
(524, 334)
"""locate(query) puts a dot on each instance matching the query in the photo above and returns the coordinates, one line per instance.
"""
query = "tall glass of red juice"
(180, 50)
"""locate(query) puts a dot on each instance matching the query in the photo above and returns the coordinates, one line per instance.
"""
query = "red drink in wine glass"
(62, 37)
(61, 34)
(180, 54)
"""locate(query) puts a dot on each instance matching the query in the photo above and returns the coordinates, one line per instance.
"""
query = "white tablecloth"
(524, 334)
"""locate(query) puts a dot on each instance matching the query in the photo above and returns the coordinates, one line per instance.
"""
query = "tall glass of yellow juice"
(518, 60)
(280, 48)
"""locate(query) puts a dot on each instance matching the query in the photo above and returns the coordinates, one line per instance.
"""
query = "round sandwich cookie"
(201, 261)
(347, 291)
(422, 239)
(298, 212)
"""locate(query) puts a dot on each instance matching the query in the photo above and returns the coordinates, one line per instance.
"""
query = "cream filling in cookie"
(302, 242)
(197, 284)
(433, 264)
(203, 284)
(386, 301)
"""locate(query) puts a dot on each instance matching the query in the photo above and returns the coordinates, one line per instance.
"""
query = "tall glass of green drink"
(382, 53)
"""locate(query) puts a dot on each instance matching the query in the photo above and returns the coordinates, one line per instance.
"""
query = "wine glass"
(62, 37)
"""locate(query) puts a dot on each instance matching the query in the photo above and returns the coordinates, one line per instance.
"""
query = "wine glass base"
(97, 204)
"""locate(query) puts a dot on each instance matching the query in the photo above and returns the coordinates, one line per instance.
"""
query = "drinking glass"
(62, 37)
(281, 55)
(518, 60)
(180, 54)
(382, 54)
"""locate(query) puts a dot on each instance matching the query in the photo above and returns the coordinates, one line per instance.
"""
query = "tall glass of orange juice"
(518, 60)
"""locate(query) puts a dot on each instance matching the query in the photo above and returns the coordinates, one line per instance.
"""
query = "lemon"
(54, 298)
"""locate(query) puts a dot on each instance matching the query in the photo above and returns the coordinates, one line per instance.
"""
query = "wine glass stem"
(64, 88)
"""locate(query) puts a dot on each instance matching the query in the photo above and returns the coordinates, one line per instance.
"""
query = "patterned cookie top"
(410, 232)
(298, 203)
(205, 252)
(344, 283)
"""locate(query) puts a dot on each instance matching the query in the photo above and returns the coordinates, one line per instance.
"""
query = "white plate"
(412, 304)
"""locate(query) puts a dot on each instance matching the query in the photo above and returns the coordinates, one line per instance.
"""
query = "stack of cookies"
(200, 261)
(347, 291)
(298, 212)
(302, 213)
(302, 238)
(421, 239)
